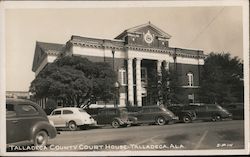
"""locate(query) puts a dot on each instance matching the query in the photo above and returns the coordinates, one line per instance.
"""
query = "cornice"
(119, 46)
(98, 45)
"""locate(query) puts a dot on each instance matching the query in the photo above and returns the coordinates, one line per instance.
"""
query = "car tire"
(160, 121)
(115, 124)
(41, 138)
(186, 119)
(216, 118)
(72, 126)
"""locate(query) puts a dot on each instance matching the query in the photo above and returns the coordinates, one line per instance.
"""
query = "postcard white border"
(125, 4)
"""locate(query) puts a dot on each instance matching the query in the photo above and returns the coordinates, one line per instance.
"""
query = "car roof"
(151, 106)
(17, 101)
(20, 101)
(68, 108)
(114, 108)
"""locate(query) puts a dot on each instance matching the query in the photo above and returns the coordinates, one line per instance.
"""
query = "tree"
(169, 86)
(221, 79)
(162, 88)
(74, 80)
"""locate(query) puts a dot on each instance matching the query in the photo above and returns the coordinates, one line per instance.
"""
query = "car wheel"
(186, 119)
(115, 124)
(72, 126)
(160, 121)
(41, 138)
(216, 118)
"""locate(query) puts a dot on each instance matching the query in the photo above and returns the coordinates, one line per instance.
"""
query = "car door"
(111, 114)
(212, 110)
(12, 125)
(101, 117)
(202, 112)
(28, 117)
(67, 115)
(56, 118)
(144, 115)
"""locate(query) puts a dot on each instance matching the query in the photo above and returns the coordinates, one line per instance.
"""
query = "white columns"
(159, 63)
(138, 82)
(130, 81)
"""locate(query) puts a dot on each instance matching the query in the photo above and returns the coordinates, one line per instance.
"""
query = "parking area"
(194, 136)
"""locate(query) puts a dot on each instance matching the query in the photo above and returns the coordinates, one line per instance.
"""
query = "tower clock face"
(148, 38)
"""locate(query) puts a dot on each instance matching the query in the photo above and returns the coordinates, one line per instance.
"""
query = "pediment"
(144, 29)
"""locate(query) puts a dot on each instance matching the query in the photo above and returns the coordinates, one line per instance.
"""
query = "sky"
(211, 29)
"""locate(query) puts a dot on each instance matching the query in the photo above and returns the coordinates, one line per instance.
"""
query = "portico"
(138, 81)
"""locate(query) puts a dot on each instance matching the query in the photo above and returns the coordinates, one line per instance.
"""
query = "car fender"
(77, 121)
(43, 125)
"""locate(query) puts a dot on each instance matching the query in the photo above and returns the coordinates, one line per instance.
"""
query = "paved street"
(197, 135)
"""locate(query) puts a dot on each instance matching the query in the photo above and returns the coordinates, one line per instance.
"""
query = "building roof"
(47, 47)
(44, 49)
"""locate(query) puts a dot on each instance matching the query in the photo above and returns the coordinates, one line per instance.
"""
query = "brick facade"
(135, 53)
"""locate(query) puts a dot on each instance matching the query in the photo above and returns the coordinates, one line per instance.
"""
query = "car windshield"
(219, 107)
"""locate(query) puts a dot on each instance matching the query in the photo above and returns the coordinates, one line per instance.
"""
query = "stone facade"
(135, 52)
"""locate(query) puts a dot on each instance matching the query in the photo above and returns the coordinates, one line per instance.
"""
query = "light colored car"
(71, 117)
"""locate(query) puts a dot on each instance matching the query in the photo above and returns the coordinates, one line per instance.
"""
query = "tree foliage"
(169, 87)
(74, 80)
(162, 87)
(221, 80)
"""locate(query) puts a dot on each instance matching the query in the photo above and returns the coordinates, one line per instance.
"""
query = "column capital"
(138, 59)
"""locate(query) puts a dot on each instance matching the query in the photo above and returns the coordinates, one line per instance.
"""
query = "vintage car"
(27, 122)
(154, 114)
(212, 112)
(71, 118)
(115, 116)
(185, 115)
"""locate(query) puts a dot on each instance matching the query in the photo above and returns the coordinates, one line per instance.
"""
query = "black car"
(185, 115)
(26, 121)
(115, 116)
(154, 114)
(212, 112)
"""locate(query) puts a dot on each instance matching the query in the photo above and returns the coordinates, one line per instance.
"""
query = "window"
(190, 79)
(67, 112)
(56, 113)
(123, 76)
(10, 110)
(144, 75)
(25, 109)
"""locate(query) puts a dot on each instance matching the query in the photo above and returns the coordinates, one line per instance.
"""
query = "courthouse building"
(136, 54)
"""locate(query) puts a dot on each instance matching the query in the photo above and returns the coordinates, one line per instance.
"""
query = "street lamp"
(117, 85)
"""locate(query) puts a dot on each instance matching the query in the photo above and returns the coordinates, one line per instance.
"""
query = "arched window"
(190, 79)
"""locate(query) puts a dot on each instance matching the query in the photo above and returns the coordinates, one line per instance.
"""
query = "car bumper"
(174, 119)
